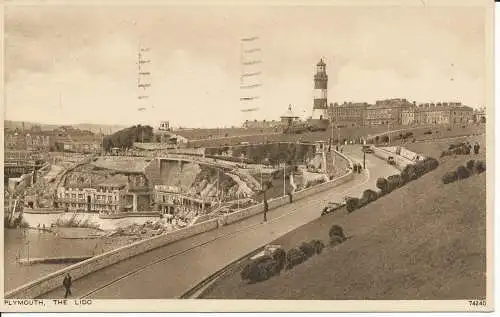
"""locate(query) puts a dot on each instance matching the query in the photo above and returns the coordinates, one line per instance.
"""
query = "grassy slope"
(423, 241)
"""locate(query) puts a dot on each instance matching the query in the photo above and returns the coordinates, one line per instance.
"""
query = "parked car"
(367, 149)
(391, 160)
(331, 207)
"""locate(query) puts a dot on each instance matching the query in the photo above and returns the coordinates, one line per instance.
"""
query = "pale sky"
(88, 55)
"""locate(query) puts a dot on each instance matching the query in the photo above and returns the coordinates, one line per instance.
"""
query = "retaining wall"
(280, 201)
(401, 162)
(54, 280)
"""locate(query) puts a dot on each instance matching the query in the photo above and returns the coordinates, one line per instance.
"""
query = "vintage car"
(269, 250)
(367, 149)
(332, 207)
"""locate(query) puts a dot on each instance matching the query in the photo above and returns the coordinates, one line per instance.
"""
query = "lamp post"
(364, 160)
(284, 179)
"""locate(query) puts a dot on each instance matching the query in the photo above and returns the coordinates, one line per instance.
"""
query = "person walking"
(67, 285)
(266, 208)
(476, 148)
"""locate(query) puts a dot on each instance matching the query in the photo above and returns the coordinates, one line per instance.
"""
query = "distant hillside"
(108, 129)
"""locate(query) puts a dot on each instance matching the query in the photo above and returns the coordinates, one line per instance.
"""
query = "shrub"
(445, 153)
(336, 231)
(470, 165)
(449, 177)
(336, 240)
(294, 257)
(352, 203)
(430, 163)
(462, 172)
(395, 181)
(382, 184)
(420, 169)
(318, 246)
(259, 269)
(279, 256)
(408, 173)
(308, 249)
(480, 166)
(370, 195)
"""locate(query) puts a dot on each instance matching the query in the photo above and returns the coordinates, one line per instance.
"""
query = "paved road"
(169, 271)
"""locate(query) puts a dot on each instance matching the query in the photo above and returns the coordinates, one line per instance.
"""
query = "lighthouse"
(320, 102)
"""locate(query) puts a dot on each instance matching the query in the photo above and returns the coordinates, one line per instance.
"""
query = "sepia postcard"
(249, 156)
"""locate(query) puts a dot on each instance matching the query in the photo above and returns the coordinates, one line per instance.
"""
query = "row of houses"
(63, 139)
(397, 112)
(131, 194)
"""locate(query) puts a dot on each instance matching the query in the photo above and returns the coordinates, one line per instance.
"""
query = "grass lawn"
(349, 133)
(424, 241)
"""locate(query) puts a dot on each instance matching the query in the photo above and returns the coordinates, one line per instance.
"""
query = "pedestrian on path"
(290, 198)
(67, 285)
(266, 208)
(476, 148)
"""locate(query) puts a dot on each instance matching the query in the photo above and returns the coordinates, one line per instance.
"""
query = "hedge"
(318, 246)
(352, 203)
(480, 167)
(449, 177)
(308, 249)
(259, 269)
(463, 172)
(382, 184)
(294, 257)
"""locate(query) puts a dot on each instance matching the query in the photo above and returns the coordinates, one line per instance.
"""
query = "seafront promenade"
(171, 270)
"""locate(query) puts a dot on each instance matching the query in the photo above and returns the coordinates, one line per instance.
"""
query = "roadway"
(169, 271)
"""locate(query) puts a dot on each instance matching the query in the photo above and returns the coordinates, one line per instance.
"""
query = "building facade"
(27, 141)
(170, 200)
(90, 146)
(441, 113)
(107, 197)
(386, 112)
(348, 114)
(103, 199)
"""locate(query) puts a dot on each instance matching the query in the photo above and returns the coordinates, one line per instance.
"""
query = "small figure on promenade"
(266, 208)
(67, 285)
(337, 147)
(290, 197)
(476, 148)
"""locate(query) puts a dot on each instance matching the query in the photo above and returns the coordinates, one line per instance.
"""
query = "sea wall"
(54, 280)
(34, 219)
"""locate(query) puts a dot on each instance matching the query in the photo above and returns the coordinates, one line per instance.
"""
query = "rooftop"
(289, 113)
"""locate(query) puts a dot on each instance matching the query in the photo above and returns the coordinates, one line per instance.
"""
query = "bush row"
(387, 185)
(266, 266)
(462, 172)
(461, 148)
